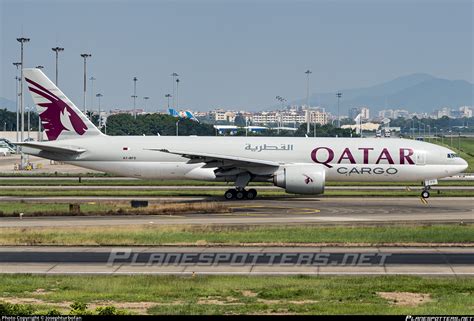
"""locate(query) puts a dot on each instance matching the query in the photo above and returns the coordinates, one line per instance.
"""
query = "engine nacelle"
(301, 179)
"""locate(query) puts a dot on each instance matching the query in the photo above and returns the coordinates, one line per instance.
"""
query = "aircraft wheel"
(251, 194)
(230, 194)
(425, 194)
(240, 195)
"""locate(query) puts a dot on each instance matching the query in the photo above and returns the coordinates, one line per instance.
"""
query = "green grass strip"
(249, 295)
(159, 235)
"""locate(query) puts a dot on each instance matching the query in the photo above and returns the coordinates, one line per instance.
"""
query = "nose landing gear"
(425, 193)
(427, 186)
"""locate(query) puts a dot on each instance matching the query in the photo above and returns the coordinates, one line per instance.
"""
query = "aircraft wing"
(217, 160)
(53, 149)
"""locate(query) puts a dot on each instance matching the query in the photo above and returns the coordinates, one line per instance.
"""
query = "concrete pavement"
(452, 261)
(271, 211)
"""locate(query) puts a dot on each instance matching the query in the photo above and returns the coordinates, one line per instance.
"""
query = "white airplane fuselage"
(343, 159)
(299, 165)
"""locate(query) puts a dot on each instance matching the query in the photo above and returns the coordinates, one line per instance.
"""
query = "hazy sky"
(235, 54)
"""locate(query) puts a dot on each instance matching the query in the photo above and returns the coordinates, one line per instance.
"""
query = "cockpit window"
(453, 155)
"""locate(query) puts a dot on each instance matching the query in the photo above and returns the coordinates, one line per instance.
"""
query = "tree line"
(154, 124)
(8, 120)
(162, 124)
(165, 125)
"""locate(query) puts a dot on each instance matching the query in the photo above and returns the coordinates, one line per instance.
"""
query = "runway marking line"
(295, 211)
(256, 214)
(308, 211)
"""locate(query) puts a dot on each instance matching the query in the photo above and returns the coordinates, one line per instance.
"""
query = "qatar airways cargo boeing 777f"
(299, 165)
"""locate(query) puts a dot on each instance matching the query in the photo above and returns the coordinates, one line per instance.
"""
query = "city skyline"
(246, 58)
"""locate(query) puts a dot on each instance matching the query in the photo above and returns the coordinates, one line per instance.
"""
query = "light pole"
(168, 96)
(22, 41)
(85, 56)
(92, 92)
(145, 99)
(282, 101)
(174, 75)
(246, 126)
(98, 96)
(40, 133)
(177, 127)
(28, 110)
(339, 95)
(57, 50)
(17, 80)
(177, 92)
(459, 141)
(134, 96)
(307, 72)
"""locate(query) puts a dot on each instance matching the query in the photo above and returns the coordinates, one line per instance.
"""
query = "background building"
(221, 115)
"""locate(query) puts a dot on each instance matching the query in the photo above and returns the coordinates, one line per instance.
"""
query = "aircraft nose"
(464, 164)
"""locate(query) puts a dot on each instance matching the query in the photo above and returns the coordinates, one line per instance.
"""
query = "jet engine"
(301, 179)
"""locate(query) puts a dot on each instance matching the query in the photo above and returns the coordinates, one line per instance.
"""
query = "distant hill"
(415, 92)
(8, 104)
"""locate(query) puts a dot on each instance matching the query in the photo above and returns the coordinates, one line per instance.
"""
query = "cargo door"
(420, 158)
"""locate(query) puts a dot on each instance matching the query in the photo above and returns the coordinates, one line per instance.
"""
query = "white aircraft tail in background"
(184, 114)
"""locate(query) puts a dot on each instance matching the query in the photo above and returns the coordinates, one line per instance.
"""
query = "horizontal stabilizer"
(53, 149)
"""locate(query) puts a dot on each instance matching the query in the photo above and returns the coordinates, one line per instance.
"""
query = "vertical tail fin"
(60, 118)
(191, 116)
(173, 112)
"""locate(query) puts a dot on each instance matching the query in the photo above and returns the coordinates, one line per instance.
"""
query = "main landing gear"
(240, 194)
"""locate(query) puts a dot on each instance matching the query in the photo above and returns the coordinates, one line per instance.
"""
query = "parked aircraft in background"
(183, 114)
(299, 165)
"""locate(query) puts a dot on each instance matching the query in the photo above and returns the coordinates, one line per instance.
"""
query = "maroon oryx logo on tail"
(307, 179)
(58, 116)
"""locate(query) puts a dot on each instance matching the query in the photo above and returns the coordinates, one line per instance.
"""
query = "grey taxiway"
(438, 261)
(297, 210)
